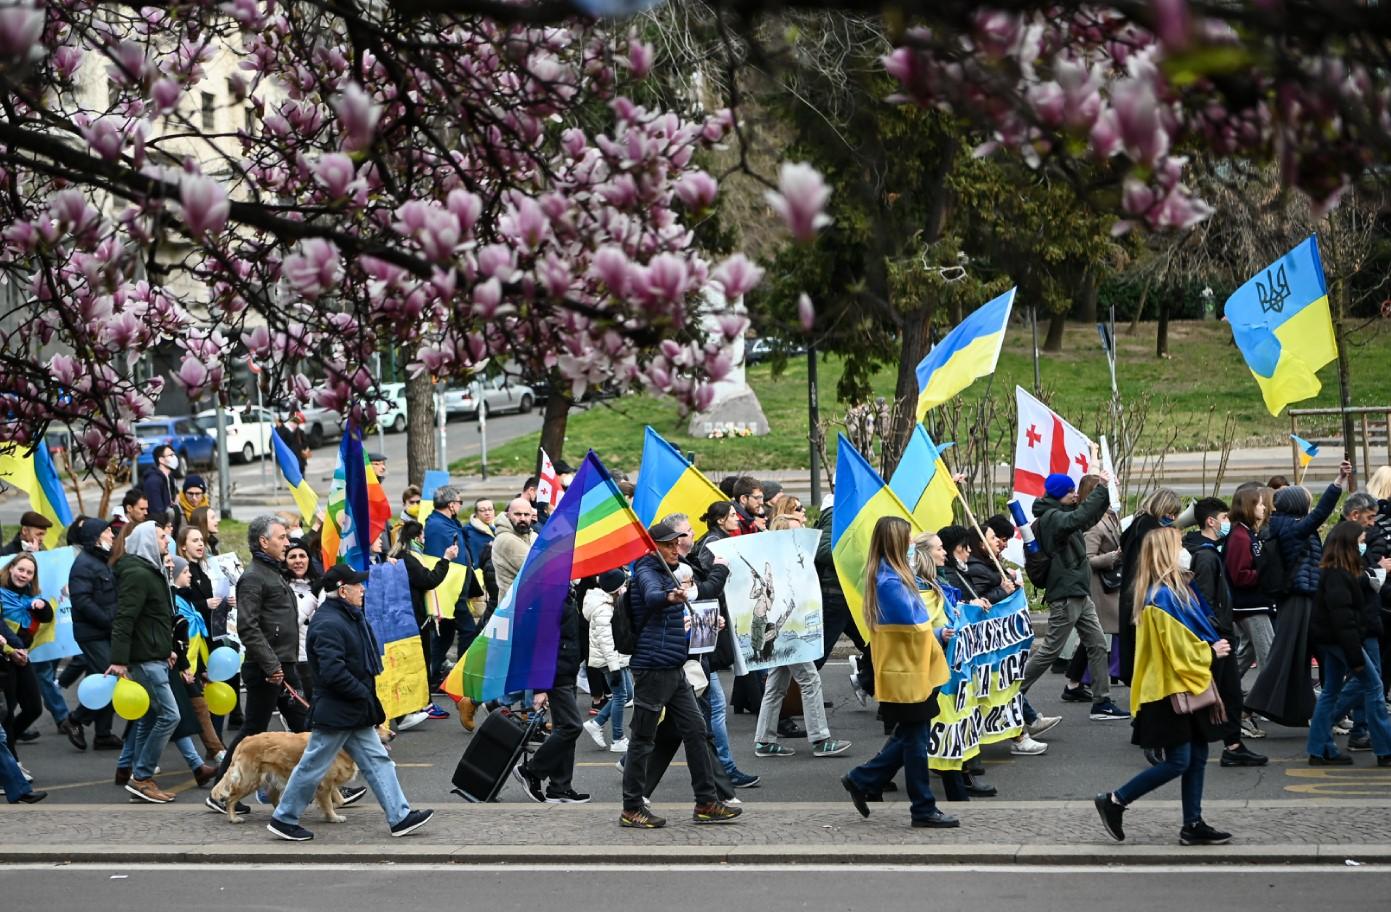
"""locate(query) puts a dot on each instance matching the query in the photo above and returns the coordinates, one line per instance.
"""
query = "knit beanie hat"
(180, 565)
(1292, 499)
(1059, 485)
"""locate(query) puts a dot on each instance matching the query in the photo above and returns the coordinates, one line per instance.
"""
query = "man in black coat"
(345, 660)
(92, 589)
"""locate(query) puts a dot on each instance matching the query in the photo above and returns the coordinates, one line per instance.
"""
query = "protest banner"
(773, 596)
(981, 703)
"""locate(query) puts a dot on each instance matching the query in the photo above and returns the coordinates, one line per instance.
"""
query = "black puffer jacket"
(92, 586)
(1345, 613)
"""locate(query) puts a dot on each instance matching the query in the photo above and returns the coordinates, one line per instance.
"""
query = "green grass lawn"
(1190, 393)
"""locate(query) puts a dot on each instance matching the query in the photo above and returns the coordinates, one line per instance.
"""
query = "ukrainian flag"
(1173, 648)
(299, 488)
(924, 483)
(668, 484)
(1281, 322)
(861, 498)
(34, 474)
(1307, 450)
(967, 352)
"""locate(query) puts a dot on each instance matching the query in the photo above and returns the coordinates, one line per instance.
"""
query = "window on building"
(209, 111)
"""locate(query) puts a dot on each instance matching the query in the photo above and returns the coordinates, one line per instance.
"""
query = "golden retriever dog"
(266, 760)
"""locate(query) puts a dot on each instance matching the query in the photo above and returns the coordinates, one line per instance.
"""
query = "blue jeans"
(1186, 760)
(1030, 714)
(52, 693)
(1353, 699)
(189, 751)
(1335, 684)
(11, 779)
(718, 730)
(906, 749)
(621, 685)
(363, 745)
(153, 730)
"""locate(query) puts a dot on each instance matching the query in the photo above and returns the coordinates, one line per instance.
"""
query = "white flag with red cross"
(1047, 444)
(548, 489)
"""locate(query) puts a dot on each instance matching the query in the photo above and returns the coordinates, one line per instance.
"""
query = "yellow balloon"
(130, 700)
(220, 697)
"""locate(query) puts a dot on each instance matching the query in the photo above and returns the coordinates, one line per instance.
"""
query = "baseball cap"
(663, 532)
(341, 575)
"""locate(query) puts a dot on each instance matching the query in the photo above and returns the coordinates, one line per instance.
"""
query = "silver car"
(495, 395)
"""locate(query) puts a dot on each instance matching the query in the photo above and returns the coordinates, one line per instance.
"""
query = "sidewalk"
(992, 832)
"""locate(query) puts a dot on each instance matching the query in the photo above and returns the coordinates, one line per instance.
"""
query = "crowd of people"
(1212, 632)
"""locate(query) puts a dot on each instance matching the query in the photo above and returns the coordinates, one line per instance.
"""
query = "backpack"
(1037, 562)
(625, 633)
(1272, 579)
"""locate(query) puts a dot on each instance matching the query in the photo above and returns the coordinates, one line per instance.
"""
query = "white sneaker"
(619, 747)
(860, 695)
(25, 772)
(596, 732)
(1026, 746)
(1342, 726)
(1250, 730)
(732, 801)
(411, 720)
(1043, 724)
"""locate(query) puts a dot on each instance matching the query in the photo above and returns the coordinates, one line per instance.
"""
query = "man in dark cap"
(344, 659)
(32, 528)
(658, 610)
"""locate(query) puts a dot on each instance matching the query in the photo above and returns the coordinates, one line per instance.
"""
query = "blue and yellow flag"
(1281, 322)
(303, 494)
(1173, 651)
(401, 684)
(1307, 450)
(967, 352)
(34, 474)
(924, 483)
(861, 499)
(668, 484)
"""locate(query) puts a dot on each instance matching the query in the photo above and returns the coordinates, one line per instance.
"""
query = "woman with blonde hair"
(1172, 695)
(909, 667)
(1157, 511)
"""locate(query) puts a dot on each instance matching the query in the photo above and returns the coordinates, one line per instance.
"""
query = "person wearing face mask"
(1159, 510)
(1202, 547)
(1060, 528)
(1283, 691)
(32, 529)
(158, 484)
(92, 592)
(142, 646)
(1361, 508)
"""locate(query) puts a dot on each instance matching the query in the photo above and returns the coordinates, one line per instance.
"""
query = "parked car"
(192, 444)
(765, 347)
(391, 408)
(495, 394)
(248, 430)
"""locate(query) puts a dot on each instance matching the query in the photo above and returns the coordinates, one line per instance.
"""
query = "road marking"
(1342, 781)
(74, 785)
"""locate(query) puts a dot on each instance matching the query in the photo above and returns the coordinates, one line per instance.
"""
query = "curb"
(598, 856)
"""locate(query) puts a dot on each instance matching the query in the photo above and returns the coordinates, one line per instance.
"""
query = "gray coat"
(1104, 553)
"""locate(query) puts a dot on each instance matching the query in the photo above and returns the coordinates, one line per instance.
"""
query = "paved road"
(349, 888)
(1084, 758)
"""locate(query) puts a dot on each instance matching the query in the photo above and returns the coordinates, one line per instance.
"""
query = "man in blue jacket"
(442, 529)
(344, 660)
(659, 618)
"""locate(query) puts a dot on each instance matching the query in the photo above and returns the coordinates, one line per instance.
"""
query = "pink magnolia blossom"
(738, 275)
(358, 114)
(640, 58)
(204, 205)
(697, 190)
(335, 173)
(806, 313)
(21, 26)
(317, 268)
(800, 199)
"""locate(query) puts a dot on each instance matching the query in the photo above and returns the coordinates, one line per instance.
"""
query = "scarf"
(197, 633)
(187, 508)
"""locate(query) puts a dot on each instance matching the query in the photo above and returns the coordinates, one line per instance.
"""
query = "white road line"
(1217, 867)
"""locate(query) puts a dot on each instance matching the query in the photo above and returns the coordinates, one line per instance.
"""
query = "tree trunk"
(557, 414)
(1161, 341)
(1091, 286)
(1057, 323)
(1140, 308)
(421, 428)
(916, 341)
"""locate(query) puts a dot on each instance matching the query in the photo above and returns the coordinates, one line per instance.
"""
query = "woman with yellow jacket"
(1171, 694)
(909, 667)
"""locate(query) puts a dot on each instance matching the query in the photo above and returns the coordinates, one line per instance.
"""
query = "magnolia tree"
(462, 188)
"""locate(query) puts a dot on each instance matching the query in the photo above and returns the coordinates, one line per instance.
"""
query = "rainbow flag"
(356, 504)
(969, 351)
(668, 484)
(34, 474)
(861, 498)
(1282, 325)
(592, 530)
(303, 494)
(924, 483)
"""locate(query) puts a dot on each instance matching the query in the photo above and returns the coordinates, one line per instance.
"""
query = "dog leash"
(294, 694)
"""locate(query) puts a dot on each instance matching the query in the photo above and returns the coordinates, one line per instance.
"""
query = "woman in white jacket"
(599, 605)
(301, 579)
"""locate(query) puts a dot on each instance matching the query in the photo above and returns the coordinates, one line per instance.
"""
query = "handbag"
(1111, 579)
(695, 676)
(1186, 704)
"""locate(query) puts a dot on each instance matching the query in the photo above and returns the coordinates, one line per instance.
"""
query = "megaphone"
(1188, 517)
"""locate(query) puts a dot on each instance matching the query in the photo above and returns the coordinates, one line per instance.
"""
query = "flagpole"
(971, 518)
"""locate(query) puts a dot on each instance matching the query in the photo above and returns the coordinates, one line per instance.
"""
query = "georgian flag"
(548, 489)
(1046, 444)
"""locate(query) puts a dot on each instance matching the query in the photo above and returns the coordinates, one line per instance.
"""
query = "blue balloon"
(223, 663)
(95, 691)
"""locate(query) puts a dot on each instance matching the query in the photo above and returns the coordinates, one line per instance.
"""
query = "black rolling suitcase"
(492, 752)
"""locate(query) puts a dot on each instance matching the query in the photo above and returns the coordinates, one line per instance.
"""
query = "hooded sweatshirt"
(143, 629)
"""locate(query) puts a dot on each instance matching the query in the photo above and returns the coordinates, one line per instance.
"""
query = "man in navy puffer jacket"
(658, 605)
